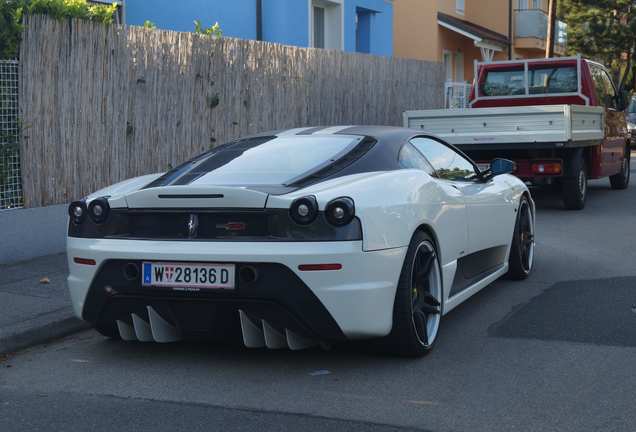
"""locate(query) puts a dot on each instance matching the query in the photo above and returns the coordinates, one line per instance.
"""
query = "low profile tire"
(417, 310)
(521, 257)
(574, 188)
(621, 180)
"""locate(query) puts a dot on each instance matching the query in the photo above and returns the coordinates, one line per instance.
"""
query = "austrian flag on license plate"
(188, 276)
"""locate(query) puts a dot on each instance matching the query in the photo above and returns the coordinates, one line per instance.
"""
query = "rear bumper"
(353, 302)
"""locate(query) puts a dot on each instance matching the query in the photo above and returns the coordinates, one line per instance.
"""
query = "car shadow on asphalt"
(597, 311)
(316, 361)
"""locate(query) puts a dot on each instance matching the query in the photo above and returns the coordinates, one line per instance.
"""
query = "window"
(503, 83)
(363, 30)
(605, 91)
(447, 58)
(534, 4)
(553, 80)
(448, 164)
(326, 24)
(459, 66)
(459, 6)
(541, 80)
(410, 158)
(611, 91)
(264, 160)
(319, 27)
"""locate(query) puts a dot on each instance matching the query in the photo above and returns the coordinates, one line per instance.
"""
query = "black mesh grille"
(219, 225)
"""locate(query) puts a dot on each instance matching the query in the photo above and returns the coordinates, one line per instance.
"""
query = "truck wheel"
(621, 180)
(574, 188)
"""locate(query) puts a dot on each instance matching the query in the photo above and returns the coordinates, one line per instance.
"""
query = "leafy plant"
(214, 30)
(12, 11)
(8, 149)
(604, 30)
(72, 9)
(149, 24)
(10, 28)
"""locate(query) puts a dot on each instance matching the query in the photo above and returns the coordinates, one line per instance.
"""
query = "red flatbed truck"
(561, 120)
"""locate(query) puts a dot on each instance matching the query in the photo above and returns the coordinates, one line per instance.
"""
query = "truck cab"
(561, 120)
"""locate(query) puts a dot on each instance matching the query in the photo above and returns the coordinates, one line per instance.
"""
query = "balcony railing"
(533, 23)
(456, 94)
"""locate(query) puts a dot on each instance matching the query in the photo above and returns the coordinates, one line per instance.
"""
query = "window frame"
(479, 177)
(315, 43)
(610, 82)
(460, 7)
(598, 72)
(448, 68)
(330, 23)
(459, 73)
(531, 76)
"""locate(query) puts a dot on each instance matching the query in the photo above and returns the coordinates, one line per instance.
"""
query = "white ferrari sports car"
(301, 237)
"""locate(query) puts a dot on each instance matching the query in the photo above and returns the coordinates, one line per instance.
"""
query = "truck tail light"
(546, 167)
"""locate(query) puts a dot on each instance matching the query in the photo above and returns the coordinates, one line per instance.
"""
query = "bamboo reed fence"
(100, 104)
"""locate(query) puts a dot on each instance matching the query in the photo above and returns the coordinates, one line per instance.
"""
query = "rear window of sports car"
(262, 160)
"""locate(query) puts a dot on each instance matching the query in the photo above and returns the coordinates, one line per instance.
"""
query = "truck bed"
(540, 126)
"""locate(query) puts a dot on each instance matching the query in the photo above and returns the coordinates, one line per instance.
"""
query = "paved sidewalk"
(31, 310)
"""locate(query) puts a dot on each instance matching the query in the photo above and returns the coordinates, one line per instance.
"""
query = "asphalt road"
(554, 353)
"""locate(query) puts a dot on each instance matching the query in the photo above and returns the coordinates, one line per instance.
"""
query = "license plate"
(188, 276)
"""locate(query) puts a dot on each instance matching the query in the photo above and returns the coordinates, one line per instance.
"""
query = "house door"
(363, 30)
(459, 67)
(448, 65)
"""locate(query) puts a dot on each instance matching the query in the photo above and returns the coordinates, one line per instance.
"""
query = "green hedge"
(12, 11)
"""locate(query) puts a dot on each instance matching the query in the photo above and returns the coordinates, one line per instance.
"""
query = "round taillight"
(340, 211)
(304, 210)
(77, 211)
(98, 210)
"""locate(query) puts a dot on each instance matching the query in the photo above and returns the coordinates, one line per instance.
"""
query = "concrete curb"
(41, 329)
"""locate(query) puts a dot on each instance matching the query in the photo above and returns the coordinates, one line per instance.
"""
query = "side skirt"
(460, 297)
(476, 266)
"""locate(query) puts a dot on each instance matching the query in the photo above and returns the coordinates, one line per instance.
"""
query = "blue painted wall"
(284, 21)
(236, 17)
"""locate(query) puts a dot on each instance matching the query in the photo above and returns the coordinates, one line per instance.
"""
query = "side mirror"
(501, 166)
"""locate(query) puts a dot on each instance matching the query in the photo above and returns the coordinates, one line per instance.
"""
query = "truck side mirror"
(501, 166)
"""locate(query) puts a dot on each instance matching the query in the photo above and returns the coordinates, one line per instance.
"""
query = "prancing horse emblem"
(193, 225)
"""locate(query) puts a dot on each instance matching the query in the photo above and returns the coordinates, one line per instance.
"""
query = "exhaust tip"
(248, 274)
(131, 271)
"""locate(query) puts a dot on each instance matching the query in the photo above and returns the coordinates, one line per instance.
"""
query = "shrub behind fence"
(104, 103)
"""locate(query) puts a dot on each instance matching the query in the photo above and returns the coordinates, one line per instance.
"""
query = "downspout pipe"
(259, 20)
(509, 29)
